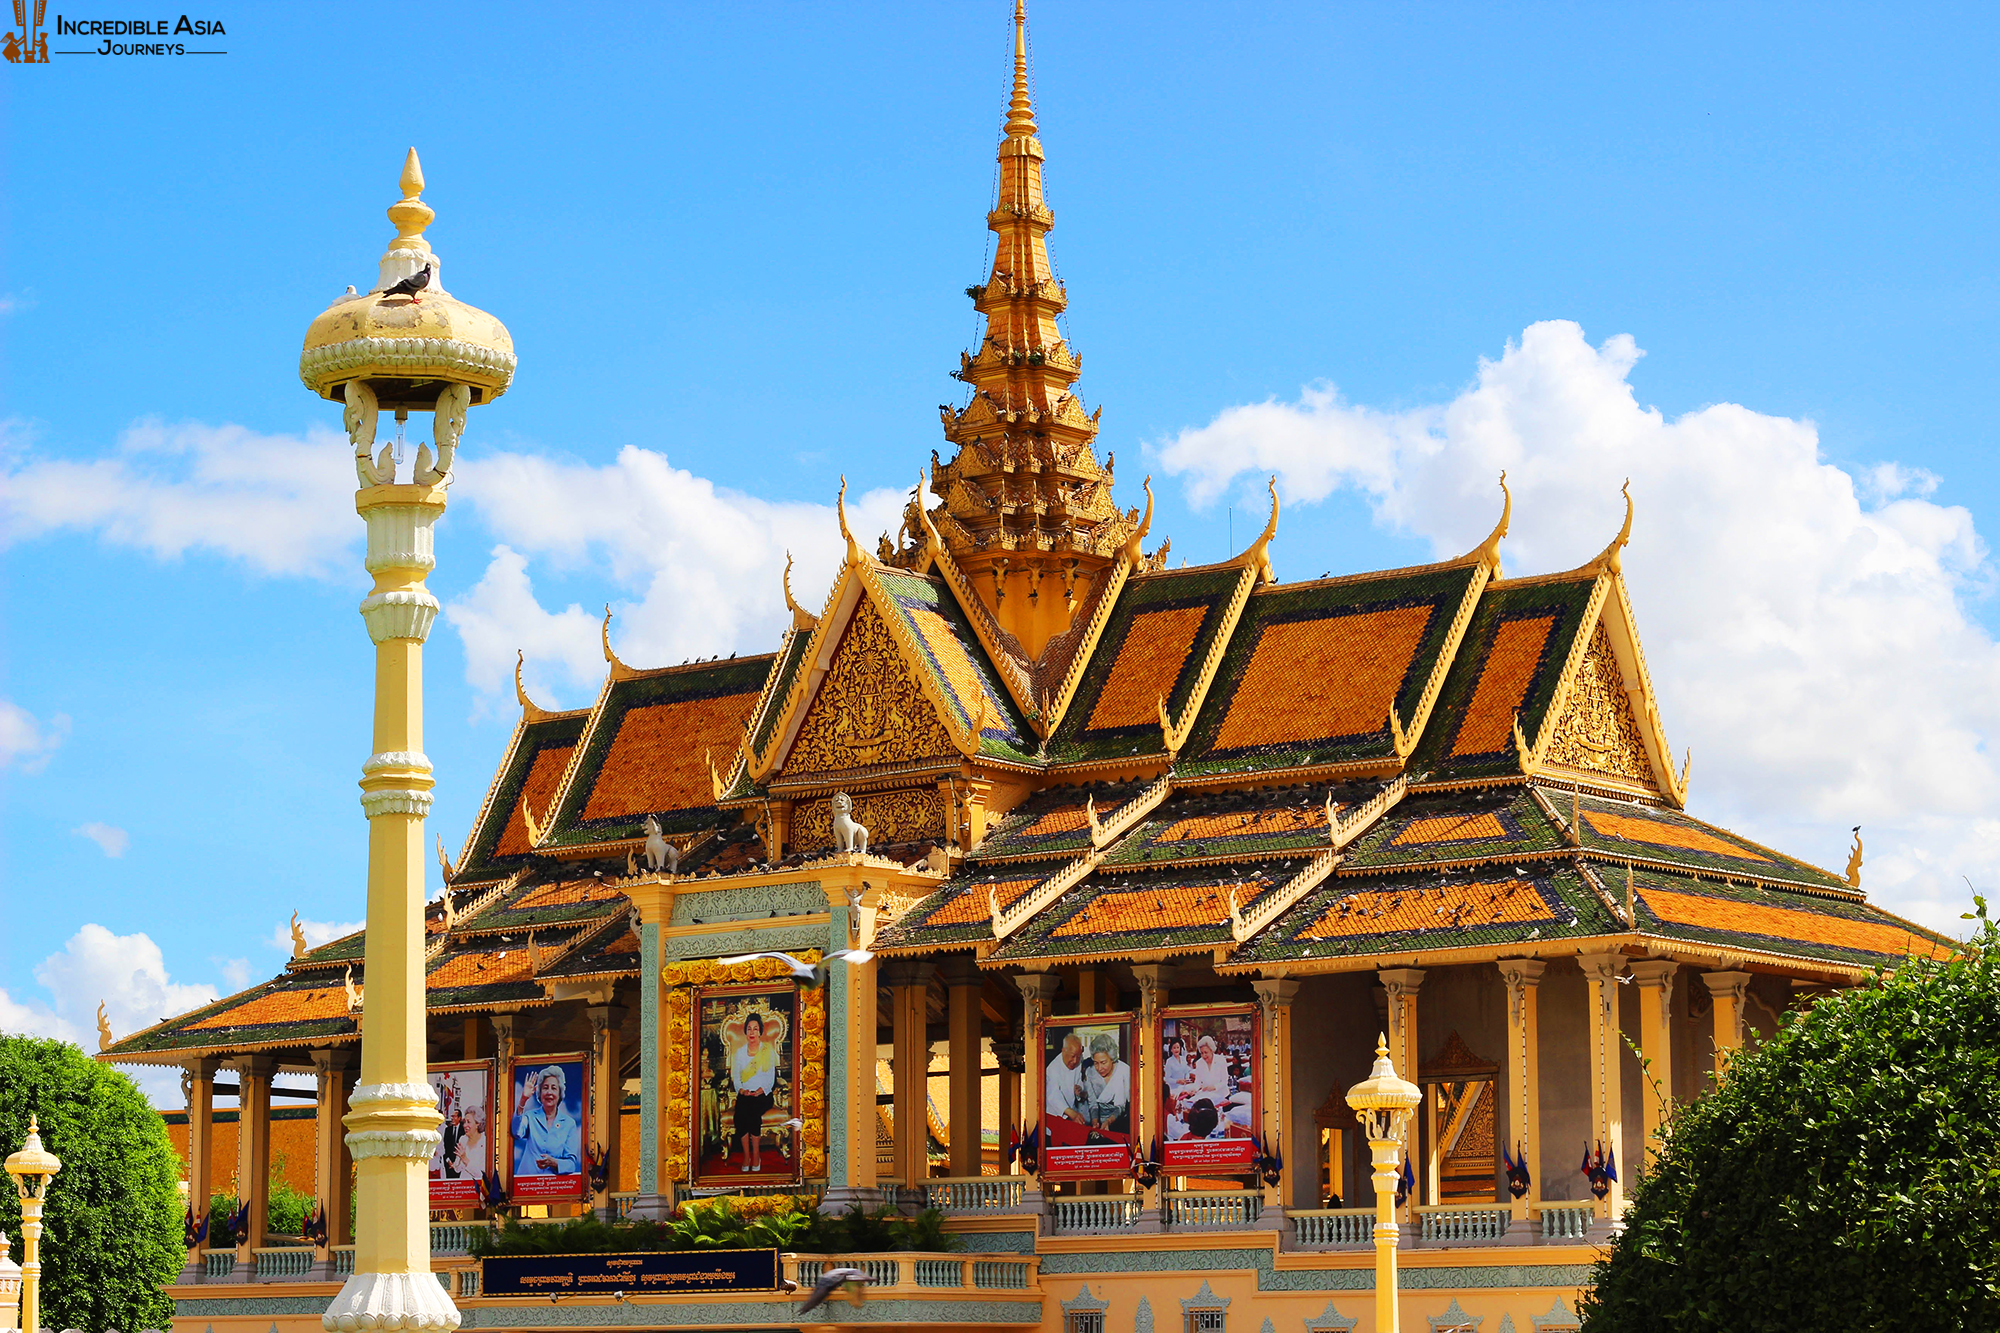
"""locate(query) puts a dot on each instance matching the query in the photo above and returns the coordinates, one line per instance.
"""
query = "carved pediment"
(869, 709)
(1597, 731)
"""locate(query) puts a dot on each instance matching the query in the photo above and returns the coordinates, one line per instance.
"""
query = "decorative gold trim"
(530, 710)
(1257, 556)
(801, 618)
(1531, 756)
(619, 671)
(1487, 553)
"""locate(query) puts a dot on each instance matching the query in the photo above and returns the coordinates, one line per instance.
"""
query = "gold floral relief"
(1597, 731)
(869, 709)
(889, 816)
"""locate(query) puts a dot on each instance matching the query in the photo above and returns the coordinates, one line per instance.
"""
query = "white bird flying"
(807, 974)
(855, 1279)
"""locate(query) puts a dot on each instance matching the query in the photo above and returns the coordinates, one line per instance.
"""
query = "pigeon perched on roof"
(855, 1278)
(411, 285)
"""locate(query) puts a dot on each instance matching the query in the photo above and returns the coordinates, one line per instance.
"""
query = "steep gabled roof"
(1153, 913)
(289, 1010)
(1158, 647)
(1513, 658)
(950, 652)
(647, 750)
(1770, 921)
(1649, 833)
(537, 757)
(1314, 671)
(1457, 828)
(1054, 823)
(1210, 826)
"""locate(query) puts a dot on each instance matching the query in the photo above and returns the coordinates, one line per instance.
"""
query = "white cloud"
(277, 502)
(1806, 627)
(235, 972)
(699, 566)
(25, 743)
(316, 933)
(110, 839)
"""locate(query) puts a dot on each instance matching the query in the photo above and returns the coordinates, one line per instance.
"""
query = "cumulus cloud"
(110, 839)
(1806, 627)
(698, 566)
(26, 744)
(279, 503)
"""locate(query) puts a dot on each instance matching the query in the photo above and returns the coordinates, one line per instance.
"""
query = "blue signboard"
(632, 1274)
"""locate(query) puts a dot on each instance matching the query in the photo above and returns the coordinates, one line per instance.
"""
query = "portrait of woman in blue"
(548, 1131)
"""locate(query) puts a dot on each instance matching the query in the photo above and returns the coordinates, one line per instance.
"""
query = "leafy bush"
(113, 1213)
(1844, 1175)
(286, 1210)
(727, 1223)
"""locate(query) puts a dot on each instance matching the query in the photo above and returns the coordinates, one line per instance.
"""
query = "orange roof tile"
(1062, 819)
(1504, 678)
(564, 892)
(656, 763)
(1148, 663)
(483, 968)
(1634, 828)
(1452, 828)
(539, 791)
(1334, 676)
(1251, 824)
(1375, 912)
(970, 907)
(1786, 923)
(941, 637)
(1162, 908)
(281, 1006)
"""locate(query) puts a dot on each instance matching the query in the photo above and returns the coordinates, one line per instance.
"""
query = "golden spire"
(1020, 111)
(1024, 496)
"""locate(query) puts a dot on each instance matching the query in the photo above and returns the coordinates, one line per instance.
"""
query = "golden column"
(1382, 1103)
(404, 346)
(32, 1168)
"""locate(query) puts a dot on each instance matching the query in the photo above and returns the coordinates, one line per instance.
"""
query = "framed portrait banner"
(745, 1087)
(1089, 1074)
(1210, 1088)
(546, 1103)
(464, 1094)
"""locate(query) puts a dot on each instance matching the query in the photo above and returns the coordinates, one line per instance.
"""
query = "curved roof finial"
(1020, 110)
(530, 710)
(1133, 555)
(1611, 561)
(617, 666)
(801, 618)
(1488, 552)
(931, 534)
(854, 556)
(1258, 555)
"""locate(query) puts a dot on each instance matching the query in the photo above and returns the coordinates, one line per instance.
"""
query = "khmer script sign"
(631, 1274)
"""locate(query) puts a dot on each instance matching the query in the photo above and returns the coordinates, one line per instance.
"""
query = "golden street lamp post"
(32, 1168)
(405, 345)
(1382, 1102)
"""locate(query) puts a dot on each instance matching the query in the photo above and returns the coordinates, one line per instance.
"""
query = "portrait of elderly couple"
(1087, 1086)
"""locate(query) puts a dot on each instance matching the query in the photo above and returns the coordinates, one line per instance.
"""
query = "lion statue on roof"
(848, 836)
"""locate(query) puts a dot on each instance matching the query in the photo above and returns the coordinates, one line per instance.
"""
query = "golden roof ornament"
(406, 347)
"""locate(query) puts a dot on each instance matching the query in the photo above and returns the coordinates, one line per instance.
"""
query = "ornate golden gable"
(869, 709)
(1597, 731)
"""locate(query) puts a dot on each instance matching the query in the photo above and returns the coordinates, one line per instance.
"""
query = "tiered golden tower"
(1026, 507)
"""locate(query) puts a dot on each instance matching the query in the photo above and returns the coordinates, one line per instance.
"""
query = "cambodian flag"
(1611, 1164)
(1407, 1185)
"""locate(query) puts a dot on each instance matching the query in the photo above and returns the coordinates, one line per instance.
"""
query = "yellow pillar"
(1524, 1073)
(253, 1151)
(1153, 997)
(1727, 988)
(607, 1096)
(200, 1082)
(963, 984)
(1607, 1101)
(1276, 997)
(333, 1168)
(909, 1066)
(1401, 985)
(1655, 977)
(393, 1124)
(852, 902)
(1038, 995)
(652, 899)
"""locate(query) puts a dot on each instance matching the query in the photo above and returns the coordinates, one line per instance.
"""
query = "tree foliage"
(1844, 1175)
(113, 1216)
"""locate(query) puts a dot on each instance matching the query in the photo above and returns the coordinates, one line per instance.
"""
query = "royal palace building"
(1096, 879)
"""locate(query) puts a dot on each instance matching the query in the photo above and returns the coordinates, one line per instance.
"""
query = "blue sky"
(1380, 250)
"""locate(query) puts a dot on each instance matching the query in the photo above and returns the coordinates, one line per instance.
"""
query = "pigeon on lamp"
(856, 1281)
(411, 286)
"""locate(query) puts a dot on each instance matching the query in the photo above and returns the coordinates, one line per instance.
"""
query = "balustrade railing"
(1213, 1208)
(218, 1263)
(454, 1237)
(290, 1261)
(999, 1275)
(1101, 1213)
(343, 1260)
(1333, 1226)
(1567, 1222)
(971, 1194)
(1460, 1224)
(621, 1206)
(939, 1272)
